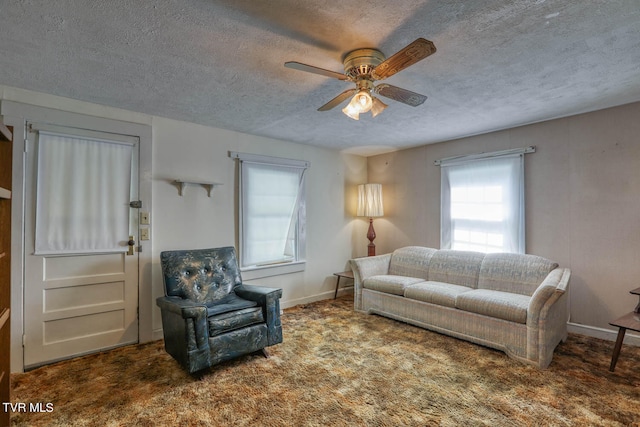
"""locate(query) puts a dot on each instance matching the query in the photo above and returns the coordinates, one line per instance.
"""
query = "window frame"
(517, 202)
(265, 270)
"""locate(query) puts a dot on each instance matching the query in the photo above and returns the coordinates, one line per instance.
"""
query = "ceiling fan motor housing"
(359, 63)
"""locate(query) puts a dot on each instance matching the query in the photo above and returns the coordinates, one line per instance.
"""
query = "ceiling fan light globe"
(362, 101)
(351, 111)
(377, 107)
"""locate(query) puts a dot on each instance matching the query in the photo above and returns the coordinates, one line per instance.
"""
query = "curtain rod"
(269, 160)
(486, 155)
(79, 133)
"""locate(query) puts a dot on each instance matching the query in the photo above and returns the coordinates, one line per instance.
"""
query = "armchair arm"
(269, 300)
(259, 294)
(184, 307)
(186, 336)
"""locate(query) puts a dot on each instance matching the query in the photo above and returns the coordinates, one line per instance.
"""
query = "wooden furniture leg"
(335, 295)
(345, 274)
(616, 349)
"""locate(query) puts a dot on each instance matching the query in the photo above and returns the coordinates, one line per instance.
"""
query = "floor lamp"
(370, 205)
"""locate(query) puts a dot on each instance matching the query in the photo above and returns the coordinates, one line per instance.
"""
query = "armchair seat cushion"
(227, 322)
(231, 302)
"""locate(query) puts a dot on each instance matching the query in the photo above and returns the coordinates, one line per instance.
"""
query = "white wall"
(192, 152)
(582, 203)
(187, 151)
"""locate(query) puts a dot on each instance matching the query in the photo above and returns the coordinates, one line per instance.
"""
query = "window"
(272, 212)
(482, 203)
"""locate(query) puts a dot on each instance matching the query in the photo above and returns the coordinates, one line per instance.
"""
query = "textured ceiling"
(499, 64)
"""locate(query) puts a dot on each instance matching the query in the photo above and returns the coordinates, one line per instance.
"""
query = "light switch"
(144, 233)
(144, 218)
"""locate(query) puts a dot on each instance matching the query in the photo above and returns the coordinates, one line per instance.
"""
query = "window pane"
(270, 198)
(482, 205)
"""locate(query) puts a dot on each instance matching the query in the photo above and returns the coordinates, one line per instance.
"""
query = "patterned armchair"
(208, 314)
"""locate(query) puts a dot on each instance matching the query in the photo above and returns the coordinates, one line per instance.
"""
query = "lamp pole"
(371, 235)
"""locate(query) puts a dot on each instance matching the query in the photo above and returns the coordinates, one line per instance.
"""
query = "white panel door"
(82, 302)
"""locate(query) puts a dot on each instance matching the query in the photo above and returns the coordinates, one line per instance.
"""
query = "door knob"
(131, 244)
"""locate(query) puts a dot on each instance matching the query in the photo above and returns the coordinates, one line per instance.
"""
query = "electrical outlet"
(144, 218)
(144, 234)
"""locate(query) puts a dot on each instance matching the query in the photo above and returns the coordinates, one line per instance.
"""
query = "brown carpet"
(337, 367)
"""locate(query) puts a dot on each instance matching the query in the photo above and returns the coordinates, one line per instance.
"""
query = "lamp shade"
(370, 200)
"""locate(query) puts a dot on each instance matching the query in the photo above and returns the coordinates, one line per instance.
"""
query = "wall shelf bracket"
(207, 185)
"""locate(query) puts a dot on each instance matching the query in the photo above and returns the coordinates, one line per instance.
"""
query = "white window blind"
(482, 204)
(272, 210)
(83, 194)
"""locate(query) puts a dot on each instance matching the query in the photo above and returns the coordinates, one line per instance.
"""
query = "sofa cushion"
(390, 284)
(411, 261)
(515, 273)
(502, 305)
(435, 292)
(456, 267)
(233, 320)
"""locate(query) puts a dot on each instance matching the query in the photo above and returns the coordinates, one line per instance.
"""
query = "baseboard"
(604, 334)
(157, 335)
(314, 298)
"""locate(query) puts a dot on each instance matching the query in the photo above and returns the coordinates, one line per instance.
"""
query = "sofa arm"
(547, 293)
(186, 335)
(547, 317)
(269, 300)
(562, 287)
(364, 268)
(370, 266)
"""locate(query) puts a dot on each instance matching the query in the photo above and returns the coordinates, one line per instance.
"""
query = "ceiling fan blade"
(337, 100)
(414, 52)
(315, 70)
(400, 95)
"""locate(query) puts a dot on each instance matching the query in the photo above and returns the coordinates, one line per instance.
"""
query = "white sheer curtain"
(482, 204)
(272, 199)
(299, 211)
(83, 194)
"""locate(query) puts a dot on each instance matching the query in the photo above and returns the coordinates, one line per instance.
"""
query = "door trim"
(16, 114)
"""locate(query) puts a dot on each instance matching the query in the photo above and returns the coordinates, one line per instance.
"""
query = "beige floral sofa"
(511, 302)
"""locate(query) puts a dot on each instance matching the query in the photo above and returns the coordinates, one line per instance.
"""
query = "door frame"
(17, 114)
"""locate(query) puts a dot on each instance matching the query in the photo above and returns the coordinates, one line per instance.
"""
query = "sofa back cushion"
(411, 261)
(456, 267)
(516, 273)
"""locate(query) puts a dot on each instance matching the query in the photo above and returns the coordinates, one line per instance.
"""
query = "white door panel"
(77, 303)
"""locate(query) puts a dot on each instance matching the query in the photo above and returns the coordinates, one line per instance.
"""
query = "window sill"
(250, 273)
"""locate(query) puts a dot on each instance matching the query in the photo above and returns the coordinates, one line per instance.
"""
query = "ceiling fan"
(365, 66)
